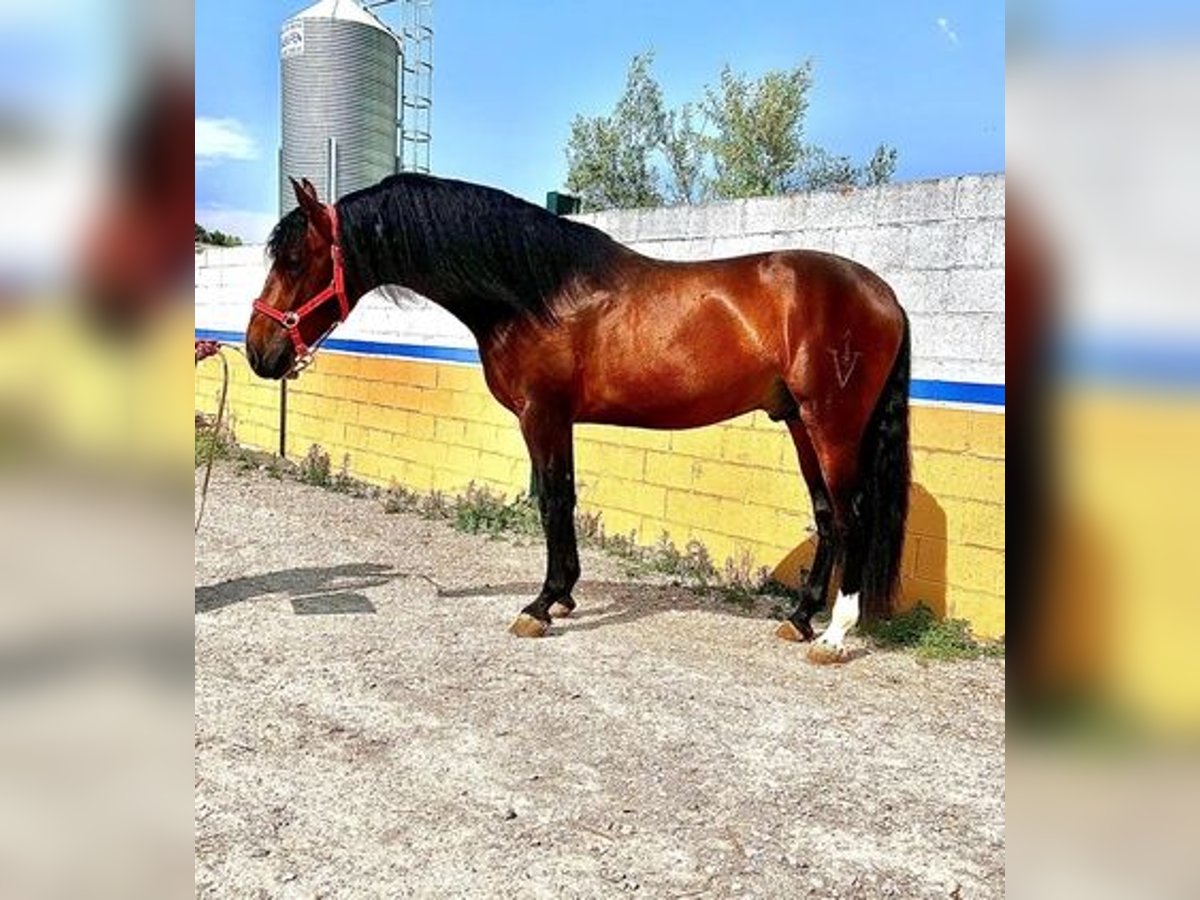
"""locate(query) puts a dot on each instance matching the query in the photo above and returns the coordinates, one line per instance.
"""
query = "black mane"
(485, 255)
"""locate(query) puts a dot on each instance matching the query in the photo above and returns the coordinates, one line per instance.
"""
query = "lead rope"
(205, 349)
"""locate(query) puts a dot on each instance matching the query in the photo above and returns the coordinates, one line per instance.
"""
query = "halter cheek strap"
(291, 319)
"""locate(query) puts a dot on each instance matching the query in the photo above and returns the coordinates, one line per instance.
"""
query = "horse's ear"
(297, 190)
(318, 215)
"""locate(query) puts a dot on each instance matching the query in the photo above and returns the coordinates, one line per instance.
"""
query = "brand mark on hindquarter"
(844, 360)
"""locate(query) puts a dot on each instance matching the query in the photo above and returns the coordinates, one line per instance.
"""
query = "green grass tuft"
(210, 443)
(920, 630)
(397, 499)
(315, 467)
(480, 511)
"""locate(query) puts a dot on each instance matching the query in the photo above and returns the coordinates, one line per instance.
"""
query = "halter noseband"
(290, 319)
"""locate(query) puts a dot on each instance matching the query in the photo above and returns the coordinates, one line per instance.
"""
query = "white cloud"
(221, 139)
(945, 28)
(248, 224)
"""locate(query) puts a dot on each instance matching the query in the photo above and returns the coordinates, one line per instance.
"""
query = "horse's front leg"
(548, 437)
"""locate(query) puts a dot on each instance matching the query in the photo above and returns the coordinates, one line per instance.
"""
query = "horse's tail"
(886, 472)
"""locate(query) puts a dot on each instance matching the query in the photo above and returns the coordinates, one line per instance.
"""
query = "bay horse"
(572, 326)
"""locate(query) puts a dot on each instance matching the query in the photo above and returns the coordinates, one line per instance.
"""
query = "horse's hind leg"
(816, 587)
(839, 465)
(549, 439)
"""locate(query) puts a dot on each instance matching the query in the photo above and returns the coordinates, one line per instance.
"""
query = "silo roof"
(342, 10)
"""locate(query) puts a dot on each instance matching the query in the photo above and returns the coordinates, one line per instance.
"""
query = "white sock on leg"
(845, 617)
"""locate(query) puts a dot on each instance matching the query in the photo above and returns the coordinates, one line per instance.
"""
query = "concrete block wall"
(399, 395)
(939, 244)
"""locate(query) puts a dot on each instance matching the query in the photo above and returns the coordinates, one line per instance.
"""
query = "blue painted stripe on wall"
(370, 348)
(1164, 363)
(922, 388)
(957, 392)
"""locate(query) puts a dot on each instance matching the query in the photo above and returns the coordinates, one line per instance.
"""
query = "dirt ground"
(366, 727)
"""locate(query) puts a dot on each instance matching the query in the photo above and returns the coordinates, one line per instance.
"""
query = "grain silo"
(340, 75)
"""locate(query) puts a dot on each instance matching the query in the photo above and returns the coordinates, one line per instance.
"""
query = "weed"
(398, 499)
(480, 511)
(342, 482)
(588, 528)
(211, 443)
(435, 506)
(692, 564)
(920, 630)
(314, 468)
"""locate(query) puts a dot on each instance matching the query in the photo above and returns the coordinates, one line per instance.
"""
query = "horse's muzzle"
(273, 361)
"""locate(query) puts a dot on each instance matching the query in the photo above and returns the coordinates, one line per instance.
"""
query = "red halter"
(291, 319)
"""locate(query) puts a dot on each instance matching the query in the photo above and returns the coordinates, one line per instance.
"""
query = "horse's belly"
(677, 358)
(647, 398)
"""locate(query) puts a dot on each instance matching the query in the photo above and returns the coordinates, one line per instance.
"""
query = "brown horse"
(574, 327)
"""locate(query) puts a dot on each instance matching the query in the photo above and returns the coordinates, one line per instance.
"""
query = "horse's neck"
(475, 309)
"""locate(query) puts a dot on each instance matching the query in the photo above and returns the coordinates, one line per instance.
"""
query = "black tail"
(885, 472)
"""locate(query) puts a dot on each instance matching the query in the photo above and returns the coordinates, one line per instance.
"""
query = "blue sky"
(926, 77)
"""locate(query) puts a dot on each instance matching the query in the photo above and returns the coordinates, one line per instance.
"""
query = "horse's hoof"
(560, 610)
(527, 626)
(827, 654)
(788, 631)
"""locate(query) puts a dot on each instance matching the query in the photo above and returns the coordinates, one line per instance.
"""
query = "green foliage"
(692, 564)
(479, 511)
(744, 138)
(880, 167)
(824, 171)
(315, 467)
(398, 499)
(920, 630)
(216, 238)
(608, 157)
(742, 584)
(683, 149)
(342, 482)
(211, 444)
(757, 146)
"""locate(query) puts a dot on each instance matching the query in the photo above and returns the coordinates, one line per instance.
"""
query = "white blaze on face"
(845, 617)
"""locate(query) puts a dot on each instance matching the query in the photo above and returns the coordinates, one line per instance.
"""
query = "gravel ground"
(365, 726)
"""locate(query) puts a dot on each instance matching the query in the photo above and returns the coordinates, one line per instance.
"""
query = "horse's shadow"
(604, 604)
(336, 590)
(312, 590)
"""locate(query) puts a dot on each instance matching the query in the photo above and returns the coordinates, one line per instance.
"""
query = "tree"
(609, 157)
(881, 166)
(216, 238)
(683, 147)
(824, 171)
(745, 138)
(758, 145)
